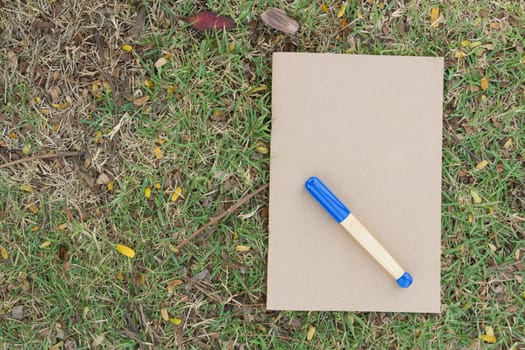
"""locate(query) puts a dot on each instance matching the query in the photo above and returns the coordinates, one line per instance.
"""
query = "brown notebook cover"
(370, 128)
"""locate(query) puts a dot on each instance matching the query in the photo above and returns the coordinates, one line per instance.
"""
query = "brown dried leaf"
(277, 19)
(141, 101)
(207, 21)
(139, 21)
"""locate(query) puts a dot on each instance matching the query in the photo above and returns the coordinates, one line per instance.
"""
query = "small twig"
(43, 156)
(219, 217)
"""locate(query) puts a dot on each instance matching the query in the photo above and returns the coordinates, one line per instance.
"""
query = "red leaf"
(206, 21)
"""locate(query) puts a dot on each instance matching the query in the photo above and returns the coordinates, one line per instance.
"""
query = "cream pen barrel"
(355, 228)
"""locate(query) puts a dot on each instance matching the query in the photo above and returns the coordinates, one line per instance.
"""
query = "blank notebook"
(370, 128)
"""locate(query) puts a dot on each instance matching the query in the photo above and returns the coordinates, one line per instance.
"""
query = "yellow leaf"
(465, 43)
(125, 250)
(242, 248)
(258, 89)
(235, 236)
(231, 47)
(57, 346)
(342, 10)
(523, 295)
(434, 16)
(85, 311)
(475, 196)
(3, 253)
(310, 334)
(158, 153)
(157, 185)
(12, 136)
(508, 143)
(127, 47)
(45, 244)
(147, 192)
(484, 83)
(470, 217)
(26, 149)
(324, 8)
(475, 44)
(172, 89)
(26, 188)
(111, 185)
(460, 54)
(62, 227)
(149, 83)
(35, 228)
(488, 337)
(33, 208)
(164, 314)
(167, 55)
(176, 321)
(261, 148)
(360, 14)
(119, 276)
(174, 249)
(176, 194)
(481, 165)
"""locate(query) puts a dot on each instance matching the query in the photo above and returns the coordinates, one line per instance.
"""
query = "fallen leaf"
(164, 314)
(277, 19)
(310, 334)
(172, 89)
(149, 83)
(176, 321)
(173, 284)
(26, 149)
(435, 16)
(261, 148)
(157, 185)
(256, 89)
(3, 253)
(342, 10)
(242, 248)
(141, 101)
(482, 165)
(85, 311)
(158, 153)
(147, 192)
(18, 312)
(484, 83)
(103, 179)
(207, 21)
(201, 275)
(465, 43)
(475, 44)
(125, 250)
(127, 48)
(99, 339)
(111, 185)
(138, 23)
(488, 337)
(44, 244)
(57, 346)
(160, 62)
(33, 208)
(475, 196)
(176, 194)
(460, 54)
(174, 249)
(26, 188)
(139, 279)
(508, 143)
(324, 8)
(62, 227)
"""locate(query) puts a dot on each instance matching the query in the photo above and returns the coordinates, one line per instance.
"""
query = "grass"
(211, 129)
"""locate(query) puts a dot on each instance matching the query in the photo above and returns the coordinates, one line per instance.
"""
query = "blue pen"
(345, 218)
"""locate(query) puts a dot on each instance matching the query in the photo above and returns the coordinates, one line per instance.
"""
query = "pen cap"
(327, 199)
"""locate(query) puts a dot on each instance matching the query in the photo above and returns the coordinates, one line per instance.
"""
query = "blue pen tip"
(405, 280)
